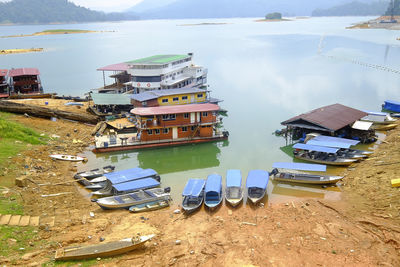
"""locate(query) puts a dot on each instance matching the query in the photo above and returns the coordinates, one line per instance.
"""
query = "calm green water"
(264, 72)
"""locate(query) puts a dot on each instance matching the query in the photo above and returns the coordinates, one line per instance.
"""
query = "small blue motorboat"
(128, 187)
(256, 184)
(233, 190)
(391, 105)
(213, 191)
(193, 195)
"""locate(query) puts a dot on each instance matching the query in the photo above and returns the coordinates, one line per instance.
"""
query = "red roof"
(23, 71)
(3, 72)
(115, 67)
(174, 109)
(332, 117)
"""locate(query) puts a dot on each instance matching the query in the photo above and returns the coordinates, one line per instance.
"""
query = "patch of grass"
(11, 205)
(13, 238)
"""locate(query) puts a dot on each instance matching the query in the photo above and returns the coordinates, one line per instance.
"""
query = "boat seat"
(119, 199)
(135, 197)
(149, 193)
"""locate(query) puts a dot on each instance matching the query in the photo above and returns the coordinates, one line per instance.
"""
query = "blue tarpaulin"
(136, 185)
(193, 187)
(129, 175)
(328, 144)
(257, 178)
(213, 183)
(335, 139)
(316, 148)
(233, 178)
(300, 166)
(392, 105)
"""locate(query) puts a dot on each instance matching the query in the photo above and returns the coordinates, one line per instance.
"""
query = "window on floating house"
(165, 100)
(157, 131)
(186, 115)
(166, 130)
(184, 97)
(172, 116)
(204, 114)
(175, 99)
(192, 128)
(184, 129)
(149, 132)
(165, 117)
(199, 95)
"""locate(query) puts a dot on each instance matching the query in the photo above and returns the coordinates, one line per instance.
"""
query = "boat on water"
(138, 197)
(213, 191)
(149, 206)
(67, 157)
(301, 177)
(233, 189)
(256, 185)
(344, 150)
(104, 184)
(103, 249)
(320, 154)
(91, 174)
(128, 187)
(391, 105)
(193, 195)
(384, 127)
(378, 118)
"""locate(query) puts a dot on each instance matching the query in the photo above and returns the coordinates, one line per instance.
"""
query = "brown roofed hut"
(333, 120)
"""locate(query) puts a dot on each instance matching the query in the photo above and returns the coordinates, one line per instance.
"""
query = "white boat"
(233, 190)
(67, 157)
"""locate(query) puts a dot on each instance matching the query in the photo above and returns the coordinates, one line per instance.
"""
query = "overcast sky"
(104, 5)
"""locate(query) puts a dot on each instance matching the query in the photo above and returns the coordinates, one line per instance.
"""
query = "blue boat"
(193, 195)
(256, 184)
(391, 105)
(344, 149)
(115, 180)
(233, 190)
(213, 191)
(100, 182)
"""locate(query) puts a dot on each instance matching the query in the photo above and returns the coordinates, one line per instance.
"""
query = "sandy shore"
(18, 51)
(362, 229)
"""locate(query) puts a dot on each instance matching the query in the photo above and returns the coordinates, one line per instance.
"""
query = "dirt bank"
(360, 230)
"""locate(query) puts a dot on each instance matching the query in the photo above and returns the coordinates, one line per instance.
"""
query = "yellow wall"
(180, 101)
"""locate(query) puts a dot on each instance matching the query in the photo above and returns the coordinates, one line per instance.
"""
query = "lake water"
(264, 72)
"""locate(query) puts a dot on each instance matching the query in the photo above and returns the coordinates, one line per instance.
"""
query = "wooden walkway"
(25, 220)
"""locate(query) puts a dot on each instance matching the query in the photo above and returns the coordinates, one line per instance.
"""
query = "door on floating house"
(174, 132)
(198, 117)
(192, 117)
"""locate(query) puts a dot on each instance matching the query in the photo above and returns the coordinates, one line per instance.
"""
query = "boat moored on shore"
(256, 184)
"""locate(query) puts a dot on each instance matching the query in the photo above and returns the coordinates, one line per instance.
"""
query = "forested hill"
(354, 9)
(51, 11)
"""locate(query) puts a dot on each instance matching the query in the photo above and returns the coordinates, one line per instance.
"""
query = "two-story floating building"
(25, 81)
(167, 126)
(155, 73)
(3, 83)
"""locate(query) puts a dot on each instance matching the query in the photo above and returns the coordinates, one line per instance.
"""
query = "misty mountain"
(354, 9)
(237, 8)
(148, 5)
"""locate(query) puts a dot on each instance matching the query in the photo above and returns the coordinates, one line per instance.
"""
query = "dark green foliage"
(353, 9)
(395, 6)
(275, 15)
(51, 11)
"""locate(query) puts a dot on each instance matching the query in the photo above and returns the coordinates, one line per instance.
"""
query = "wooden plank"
(5, 219)
(14, 220)
(24, 220)
(34, 221)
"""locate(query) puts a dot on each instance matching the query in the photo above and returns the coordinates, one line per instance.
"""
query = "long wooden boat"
(213, 191)
(233, 189)
(256, 184)
(193, 195)
(135, 198)
(384, 127)
(149, 206)
(102, 250)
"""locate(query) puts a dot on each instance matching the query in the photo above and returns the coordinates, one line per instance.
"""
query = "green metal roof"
(158, 59)
(111, 99)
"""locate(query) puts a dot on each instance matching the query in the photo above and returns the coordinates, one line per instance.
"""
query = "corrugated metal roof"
(115, 67)
(257, 178)
(174, 109)
(136, 185)
(110, 99)
(362, 125)
(316, 148)
(332, 117)
(300, 166)
(23, 71)
(3, 72)
(328, 143)
(336, 139)
(165, 92)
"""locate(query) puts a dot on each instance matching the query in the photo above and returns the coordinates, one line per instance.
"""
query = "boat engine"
(274, 171)
(167, 190)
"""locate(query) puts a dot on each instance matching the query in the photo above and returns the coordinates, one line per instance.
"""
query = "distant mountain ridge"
(181, 9)
(52, 11)
(354, 8)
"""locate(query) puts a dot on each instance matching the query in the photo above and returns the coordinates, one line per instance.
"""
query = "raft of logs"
(43, 112)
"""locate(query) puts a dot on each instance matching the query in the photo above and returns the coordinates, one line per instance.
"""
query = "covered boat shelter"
(108, 104)
(333, 120)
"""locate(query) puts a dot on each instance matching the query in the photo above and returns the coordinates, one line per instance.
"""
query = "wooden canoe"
(103, 249)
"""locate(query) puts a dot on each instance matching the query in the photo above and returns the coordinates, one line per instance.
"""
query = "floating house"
(166, 126)
(154, 73)
(333, 120)
(3, 83)
(168, 97)
(25, 81)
